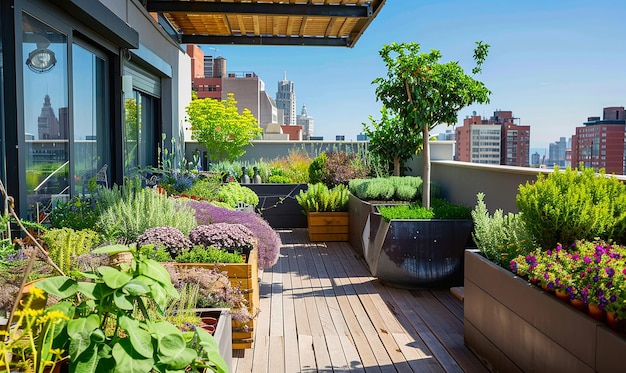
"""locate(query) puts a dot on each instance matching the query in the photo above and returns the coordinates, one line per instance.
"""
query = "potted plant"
(327, 212)
(410, 246)
(110, 328)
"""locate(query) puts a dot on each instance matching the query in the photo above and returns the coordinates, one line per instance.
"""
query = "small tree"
(391, 140)
(425, 92)
(219, 126)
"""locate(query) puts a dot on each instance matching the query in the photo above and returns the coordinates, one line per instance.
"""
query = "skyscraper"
(286, 100)
(306, 122)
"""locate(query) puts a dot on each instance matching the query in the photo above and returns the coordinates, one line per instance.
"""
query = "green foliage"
(110, 329)
(210, 254)
(128, 211)
(319, 198)
(500, 237)
(78, 213)
(233, 193)
(66, 244)
(441, 209)
(157, 253)
(424, 92)
(206, 188)
(390, 140)
(280, 179)
(316, 169)
(219, 126)
(568, 206)
(400, 188)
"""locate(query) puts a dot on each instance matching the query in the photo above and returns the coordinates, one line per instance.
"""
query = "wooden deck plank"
(321, 311)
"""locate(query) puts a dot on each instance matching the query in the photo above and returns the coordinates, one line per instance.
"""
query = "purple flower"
(587, 260)
(610, 271)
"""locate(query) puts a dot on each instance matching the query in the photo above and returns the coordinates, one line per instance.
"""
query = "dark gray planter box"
(416, 253)
(517, 327)
(285, 214)
(223, 331)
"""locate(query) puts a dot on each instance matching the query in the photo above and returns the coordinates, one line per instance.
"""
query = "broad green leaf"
(80, 331)
(178, 360)
(139, 338)
(112, 249)
(87, 362)
(114, 278)
(155, 270)
(92, 290)
(60, 286)
(136, 287)
(159, 296)
(127, 360)
(121, 301)
(210, 350)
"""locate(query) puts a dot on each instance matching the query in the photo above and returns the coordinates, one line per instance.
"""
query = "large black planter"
(516, 327)
(416, 253)
(278, 205)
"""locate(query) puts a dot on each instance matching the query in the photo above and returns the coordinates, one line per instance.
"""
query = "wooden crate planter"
(517, 327)
(246, 277)
(328, 226)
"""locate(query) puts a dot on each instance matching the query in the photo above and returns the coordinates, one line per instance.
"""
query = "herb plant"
(319, 198)
(208, 254)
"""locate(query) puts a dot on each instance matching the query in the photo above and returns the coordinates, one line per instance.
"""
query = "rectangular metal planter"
(246, 277)
(517, 327)
(328, 226)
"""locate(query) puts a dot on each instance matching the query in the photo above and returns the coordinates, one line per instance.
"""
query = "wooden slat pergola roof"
(269, 22)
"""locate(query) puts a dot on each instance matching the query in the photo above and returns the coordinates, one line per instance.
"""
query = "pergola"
(269, 22)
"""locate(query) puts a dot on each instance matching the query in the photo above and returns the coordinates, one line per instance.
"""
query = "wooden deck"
(321, 311)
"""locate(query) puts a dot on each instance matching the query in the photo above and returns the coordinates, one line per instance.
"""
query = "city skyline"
(553, 64)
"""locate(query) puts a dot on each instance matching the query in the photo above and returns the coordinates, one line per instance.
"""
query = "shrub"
(341, 167)
(225, 236)
(78, 213)
(208, 254)
(131, 210)
(206, 188)
(500, 237)
(401, 188)
(440, 209)
(233, 193)
(280, 179)
(317, 169)
(294, 168)
(171, 238)
(268, 241)
(568, 206)
(319, 198)
(66, 244)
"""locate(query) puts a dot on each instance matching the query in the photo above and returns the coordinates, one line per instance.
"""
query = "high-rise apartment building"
(497, 140)
(307, 124)
(600, 143)
(286, 100)
(557, 152)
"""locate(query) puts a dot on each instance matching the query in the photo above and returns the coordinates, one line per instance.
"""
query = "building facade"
(497, 140)
(600, 143)
(89, 89)
(286, 100)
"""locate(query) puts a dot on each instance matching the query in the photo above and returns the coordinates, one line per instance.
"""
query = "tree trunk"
(426, 165)
(396, 166)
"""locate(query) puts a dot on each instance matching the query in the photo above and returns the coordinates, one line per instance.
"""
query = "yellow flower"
(37, 293)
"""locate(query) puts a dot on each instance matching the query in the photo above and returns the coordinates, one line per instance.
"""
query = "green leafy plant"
(319, 198)
(317, 169)
(572, 205)
(400, 188)
(210, 254)
(498, 236)
(78, 213)
(110, 329)
(234, 193)
(424, 92)
(130, 210)
(220, 128)
(441, 209)
(206, 189)
(65, 245)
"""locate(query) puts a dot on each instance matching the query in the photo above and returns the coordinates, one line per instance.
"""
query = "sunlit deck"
(321, 311)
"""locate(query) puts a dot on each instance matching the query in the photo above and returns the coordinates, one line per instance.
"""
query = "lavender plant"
(268, 240)
(171, 238)
(225, 236)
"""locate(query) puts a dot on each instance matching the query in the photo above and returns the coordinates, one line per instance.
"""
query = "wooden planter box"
(328, 226)
(516, 327)
(416, 253)
(246, 277)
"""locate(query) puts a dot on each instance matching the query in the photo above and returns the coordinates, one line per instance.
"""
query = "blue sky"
(553, 63)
